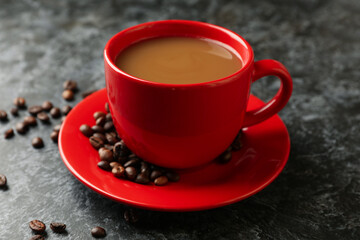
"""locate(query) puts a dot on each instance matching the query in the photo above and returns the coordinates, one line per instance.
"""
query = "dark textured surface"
(317, 196)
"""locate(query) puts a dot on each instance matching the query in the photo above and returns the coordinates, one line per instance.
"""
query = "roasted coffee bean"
(43, 117)
(161, 181)
(3, 115)
(236, 144)
(37, 226)
(155, 174)
(37, 237)
(121, 150)
(54, 136)
(108, 126)
(98, 129)
(225, 157)
(14, 112)
(30, 121)
(99, 114)
(118, 171)
(142, 178)
(47, 106)
(101, 121)
(144, 166)
(70, 85)
(34, 110)
(131, 216)
(3, 180)
(57, 128)
(37, 142)
(66, 109)
(130, 173)
(115, 164)
(134, 162)
(87, 93)
(86, 130)
(68, 95)
(110, 138)
(9, 133)
(106, 155)
(55, 112)
(104, 165)
(20, 102)
(108, 146)
(172, 176)
(98, 232)
(58, 227)
(21, 128)
(108, 117)
(100, 135)
(96, 142)
(107, 107)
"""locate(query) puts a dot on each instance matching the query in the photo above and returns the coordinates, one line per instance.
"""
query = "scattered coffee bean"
(172, 176)
(58, 227)
(107, 107)
(30, 121)
(100, 135)
(9, 133)
(70, 85)
(87, 93)
(225, 157)
(98, 232)
(161, 181)
(68, 95)
(108, 117)
(131, 216)
(86, 130)
(101, 121)
(96, 142)
(57, 128)
(99, 114)
(104, 165)
(236, 144)
(46, 106)
(142, 178)
(106, 155)
(3, 115)
(21, 128)
(130, 173)
(14, 112)
(134, 162)
(37, 237)
(109, 126)
(110, 138)
(37, 226)
(34, 110)
(55, 112)
(54, 136)
(20, 102)
(118, 171)
(37, 142)
(66, 109)
(155, 174)
(3, 180)
(115, 164)
(98, 129)
(43, 117)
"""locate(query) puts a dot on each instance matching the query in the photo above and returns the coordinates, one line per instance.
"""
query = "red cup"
(186, 125)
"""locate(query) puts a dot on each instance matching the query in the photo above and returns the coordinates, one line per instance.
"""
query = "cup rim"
(245, 65)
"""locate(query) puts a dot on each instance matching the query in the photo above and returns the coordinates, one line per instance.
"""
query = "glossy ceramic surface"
(186, 125)
(264, 154)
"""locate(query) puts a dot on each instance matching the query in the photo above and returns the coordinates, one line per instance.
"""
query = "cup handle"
(264, 68)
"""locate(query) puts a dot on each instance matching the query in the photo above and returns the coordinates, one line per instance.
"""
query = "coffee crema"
(178, 60)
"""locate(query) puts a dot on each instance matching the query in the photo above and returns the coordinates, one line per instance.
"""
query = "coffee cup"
(186, 125)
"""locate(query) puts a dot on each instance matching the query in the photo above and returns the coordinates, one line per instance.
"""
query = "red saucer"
(264, 154)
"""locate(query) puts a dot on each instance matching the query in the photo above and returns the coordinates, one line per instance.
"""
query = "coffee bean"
(134, 162)
(57, 128)
(142, 178)
(115, 164)
(98, 232)
(99, 114)
(110, 138)
(37, 226)
(55, 112)
(96, 142)
(121, 150)
(66, 109)
(34, 110)
(106, 155)
(107, 107)
(9, 133)
(14, 112)
(108, 126)
(37, 142)
(225, 157)
(70, 85)
(68, 95)
(37, 237)
(43, 117)
(86, 130)
(131, 216)
(20, 102)
(21, 128)
(100, 135)
(172, 176)
(237, 144)
(3, 115)
(3, 180)
(108, 117)
(54, 136)
(108, 146)
(104, 165)
(101, 121)
(46, 106)
(58, 227)
(87, 93)
(130, 173)
(98, 129)
(118, 171)
(161, 181)
(30, 121)
(155, 174)
(144, 166)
